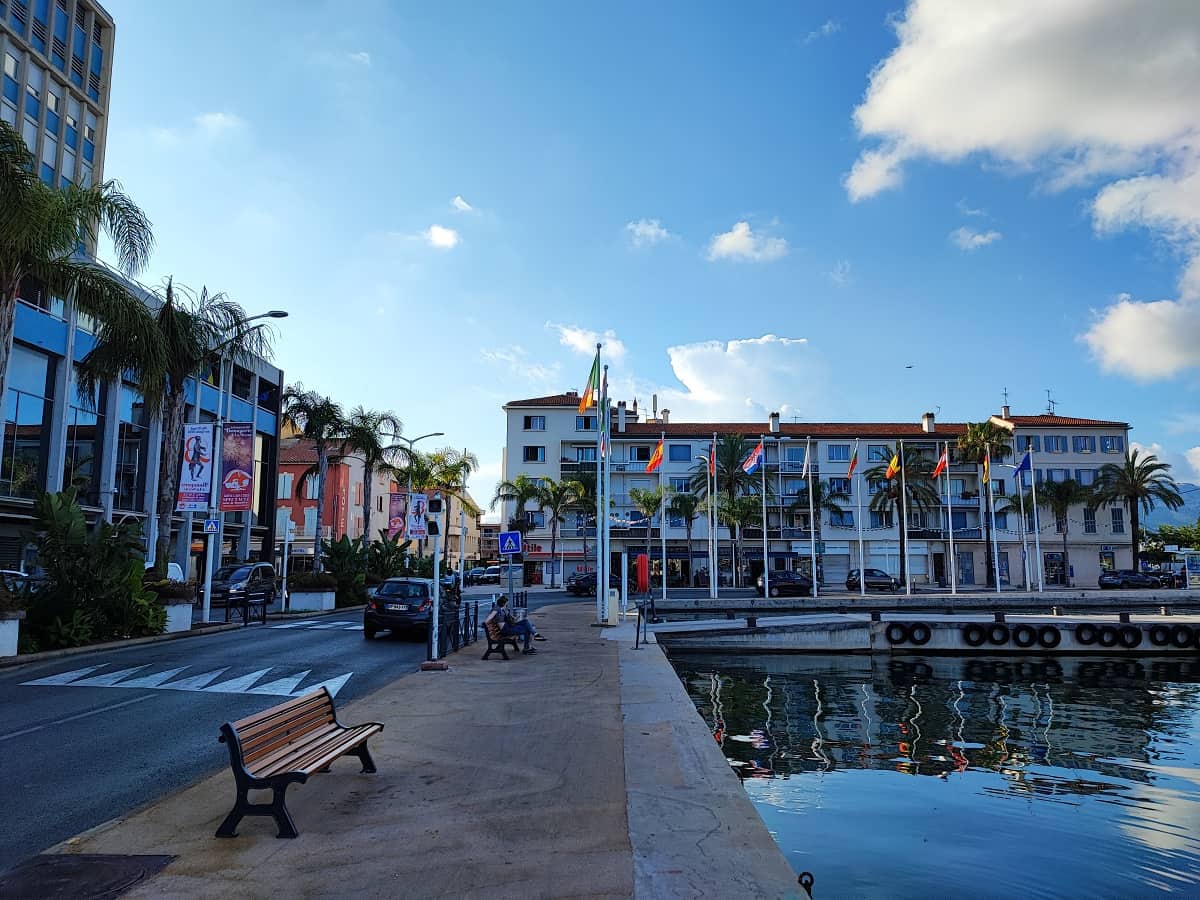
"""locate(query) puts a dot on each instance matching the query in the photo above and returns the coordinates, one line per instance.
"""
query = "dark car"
(242, 581)
(1128, 578)
(877, 580)
(584, 584)
(475, 575)
(401, 606)
(796, 584)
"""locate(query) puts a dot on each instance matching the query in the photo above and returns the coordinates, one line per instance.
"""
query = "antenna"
(1004, 393)
(1050, 402)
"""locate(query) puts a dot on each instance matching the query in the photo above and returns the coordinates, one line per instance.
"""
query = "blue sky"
(771, 211)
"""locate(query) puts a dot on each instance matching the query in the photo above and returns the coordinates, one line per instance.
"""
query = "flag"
(941, 463)
(604, 423)
(987, 467)
(754, 460)
(1025, 465)
(655, 458)
(893, 467)
(590, 393)
(807, 450)
(853, 461)
(712, 459)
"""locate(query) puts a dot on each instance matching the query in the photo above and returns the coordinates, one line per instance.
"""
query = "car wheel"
(369, 632)
(1124, 585)
(774, 592)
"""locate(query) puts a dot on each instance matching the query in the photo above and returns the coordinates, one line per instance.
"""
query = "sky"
(844, 212)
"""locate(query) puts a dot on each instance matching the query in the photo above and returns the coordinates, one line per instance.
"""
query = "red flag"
(941, 465)
(712, 459)
(656, 458)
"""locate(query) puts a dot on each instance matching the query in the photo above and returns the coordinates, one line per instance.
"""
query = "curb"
(10, 662)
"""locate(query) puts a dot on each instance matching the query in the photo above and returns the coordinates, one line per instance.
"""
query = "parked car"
(475, 575)
(403, 606)
(877, 580)
(491, 575)
(584, 584)
(796, 584)
(236, 582)
(174, 571)
(1128, 578)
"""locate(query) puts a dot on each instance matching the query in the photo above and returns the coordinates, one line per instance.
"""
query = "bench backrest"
(493, 629)
(267, 731)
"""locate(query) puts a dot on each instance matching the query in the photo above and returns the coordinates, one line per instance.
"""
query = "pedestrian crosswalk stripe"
(318, 625)
(286, 685)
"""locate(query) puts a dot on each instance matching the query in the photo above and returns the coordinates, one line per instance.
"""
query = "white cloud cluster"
(461, 205)
(359, 57)
(1078, 90)
(646, 232)
(829, 28)
(516, 358)
(841, 271)
(969, 239)
(218, 123)
(441, 238)
(741, 244)
(584, 341)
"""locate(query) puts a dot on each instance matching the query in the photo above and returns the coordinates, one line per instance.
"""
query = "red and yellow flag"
(893, 467)
(987, 467)
(656, 458)
(853, 461)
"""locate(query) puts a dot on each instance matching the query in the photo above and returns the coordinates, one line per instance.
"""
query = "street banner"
(397, 513)
(195, 477)
(237, 466)
(417, 505)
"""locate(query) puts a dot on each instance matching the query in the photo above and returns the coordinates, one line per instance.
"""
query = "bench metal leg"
(364, 756)
(277, 809)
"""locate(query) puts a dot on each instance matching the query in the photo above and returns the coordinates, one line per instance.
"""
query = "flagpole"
(950, 526)
(992, 520)
(904, 524)
(862, 560)
(1021, 518)
(1037, 526)
(812, 522)
(766, 560)
(662, 514)
(601, 501)
(714, 575)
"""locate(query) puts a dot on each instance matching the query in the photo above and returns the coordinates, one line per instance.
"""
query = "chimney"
(666, 416)
(635, 412)
(1005, 413)
(774, 420)
(927, 424)
(621, 416)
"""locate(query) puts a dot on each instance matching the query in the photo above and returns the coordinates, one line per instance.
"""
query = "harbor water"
(970, 777)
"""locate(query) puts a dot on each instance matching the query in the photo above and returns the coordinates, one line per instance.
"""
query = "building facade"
(547, 437)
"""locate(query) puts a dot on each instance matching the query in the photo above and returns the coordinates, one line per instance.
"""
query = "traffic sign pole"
(510, 545)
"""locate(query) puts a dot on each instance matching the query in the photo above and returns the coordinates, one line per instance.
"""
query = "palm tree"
(371, 435)
(187, 331)
(1017, 505)
(556, 497)
(40, 231)
(730, 480)
(896, 496)
(1059, 497)
(980, 439)
(649, 502)
(739, 513)
(585, 505)
(321, 421)
(1137, 482)
(687, 507)
(824, 499)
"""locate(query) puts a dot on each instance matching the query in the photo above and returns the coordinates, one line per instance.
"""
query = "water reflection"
(1043, 777)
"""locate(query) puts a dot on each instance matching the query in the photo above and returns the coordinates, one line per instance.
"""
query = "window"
(839, 485)
(1033, 442)
(639, 454)
(585, 454)
(1086, 477)
(1002, 521)
(842, 519)
(838, 453)
(1060, 524)
(534, 454)
(283, 515)
(379, 504)
(676, 521)
(794, 486)
(998, 487)
(585, 423)
(679, 452)
(536, 518)
(957, 486)
(1058, 474)
(27, 420)
(535, 423)
(1083, 443)
(85, 428)
(11, 69)
(681, 485)
(1112, 444)
(1089, 521)
(878, 453)
(881, 519)
(1118, 520)
(283, 490)
(133, 446)
(310, 487)
(1055, 443)
(310, 522)
(958, 520)
(795, 457)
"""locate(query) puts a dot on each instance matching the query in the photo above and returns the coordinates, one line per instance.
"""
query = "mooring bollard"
(1123, 618)
(1056, 610)
(999, 617)
(729, 613)
(1164, 610)
(876, 616)
(751, 621)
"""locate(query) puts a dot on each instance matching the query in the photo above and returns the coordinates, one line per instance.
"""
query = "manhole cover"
(95, 876)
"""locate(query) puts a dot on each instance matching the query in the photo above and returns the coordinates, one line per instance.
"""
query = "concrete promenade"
(581, 771)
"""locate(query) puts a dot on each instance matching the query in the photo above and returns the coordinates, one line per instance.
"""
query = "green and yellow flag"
(590, 395)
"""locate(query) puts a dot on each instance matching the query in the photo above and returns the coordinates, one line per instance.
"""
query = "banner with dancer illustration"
(195, 477)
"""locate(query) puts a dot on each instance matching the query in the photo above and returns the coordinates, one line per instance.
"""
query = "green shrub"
(312, 581)
(172, 590)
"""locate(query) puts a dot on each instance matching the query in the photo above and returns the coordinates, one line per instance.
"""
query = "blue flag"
(1025, 465)
(754, 460)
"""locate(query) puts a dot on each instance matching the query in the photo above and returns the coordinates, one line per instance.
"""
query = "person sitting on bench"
(511, 627)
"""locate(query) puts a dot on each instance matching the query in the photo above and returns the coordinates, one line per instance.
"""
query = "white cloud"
(1179, 462)
(1183, 423)
(584, 341)
(829, 28)
(741, 244)
(1193, 458)
(967, 210)
(646, 232)
(840, 273)
(441, 237)
(214, 124)
(516, 358)
(461, 205)
(968, 239)
(1077, 92)
(361, 57)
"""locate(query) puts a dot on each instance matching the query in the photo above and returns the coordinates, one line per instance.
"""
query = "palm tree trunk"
(987, 538)
(168, 475)
(322, 470)
(8, 318)
(1133, 524)
(553, 546)
(1066, 560)
(691, 574)
(368, 482)
(903, 568)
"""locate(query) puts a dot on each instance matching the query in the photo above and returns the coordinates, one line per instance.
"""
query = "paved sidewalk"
(582, 771)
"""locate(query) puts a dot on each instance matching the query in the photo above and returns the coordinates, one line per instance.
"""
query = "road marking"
(155, 680)
(285, 686)
(282, 687)
(63, 721)
(65, 677)
(236, 685)
(318, 625)
(108, 679)
(196, 682)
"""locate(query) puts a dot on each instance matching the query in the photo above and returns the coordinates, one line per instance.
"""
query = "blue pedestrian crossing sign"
(212, 526)
(510, 542)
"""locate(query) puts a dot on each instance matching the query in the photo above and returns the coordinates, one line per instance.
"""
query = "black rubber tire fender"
(1024, 635)
(998, 634)
(1160, 635)
(974, 634)
(919, 633)
(897, 633)
(1086, 633)
(1181, 636)
(1049, 637)
(1130, 636)
(1107, 636)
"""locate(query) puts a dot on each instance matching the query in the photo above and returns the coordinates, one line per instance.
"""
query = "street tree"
(980, 440)
(371, 436)
(555, 498)
(1138, 483)
(898, 496)
(824, 499)
(687, 506)
(1059, 497)
(319, 419)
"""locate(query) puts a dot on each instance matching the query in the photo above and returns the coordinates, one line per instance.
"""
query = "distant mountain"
(1185, 515)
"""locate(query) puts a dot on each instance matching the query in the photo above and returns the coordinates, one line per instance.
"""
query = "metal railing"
(459, 629)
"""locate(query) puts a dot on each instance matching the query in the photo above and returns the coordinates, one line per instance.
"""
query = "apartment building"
(547, 437)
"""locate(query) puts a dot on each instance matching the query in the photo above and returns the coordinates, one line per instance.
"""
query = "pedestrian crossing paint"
(320, 625)
(286, 683)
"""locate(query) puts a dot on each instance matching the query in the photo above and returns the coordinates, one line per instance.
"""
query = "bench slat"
(322, 754)
(283, 732)
(265, 761)
(248, 724)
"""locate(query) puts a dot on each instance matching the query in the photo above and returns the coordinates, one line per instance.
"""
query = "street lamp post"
(408, 496)
(215, 541)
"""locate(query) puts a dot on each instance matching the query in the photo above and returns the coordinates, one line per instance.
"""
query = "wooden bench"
(496, 641)
(283, 745)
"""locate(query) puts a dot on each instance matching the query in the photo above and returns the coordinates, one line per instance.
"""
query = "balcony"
(966, 499)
